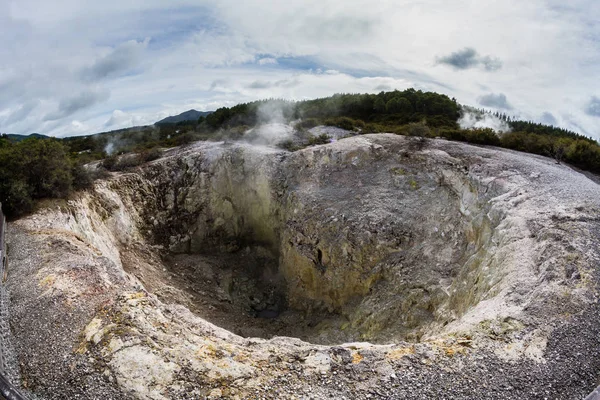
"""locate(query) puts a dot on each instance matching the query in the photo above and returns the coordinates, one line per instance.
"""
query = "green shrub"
(151, 154)
(359, 124)
(375, 128)
(33, 169)
(184, 139)
(110, 162)
(129, 161)
(452, 134)
(417, 129)
(289, 145)
(99, 173)
(342, 123)
(17, 198)
(82, 178)
(316, 140)
(307, 123)
(121, 163)
(482, 136)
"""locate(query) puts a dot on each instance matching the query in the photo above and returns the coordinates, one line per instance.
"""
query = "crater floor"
(241, 292)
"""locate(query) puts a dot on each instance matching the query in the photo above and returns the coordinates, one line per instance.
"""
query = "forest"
(42, 168)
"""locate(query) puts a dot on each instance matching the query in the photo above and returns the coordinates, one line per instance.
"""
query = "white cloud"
(79, 127)
(163, 57)
(121, 119)
(267, 61)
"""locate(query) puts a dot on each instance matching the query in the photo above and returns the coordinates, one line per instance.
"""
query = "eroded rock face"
(473, 253)
(395, 227)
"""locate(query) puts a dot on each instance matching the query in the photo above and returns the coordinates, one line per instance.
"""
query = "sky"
(76, 67)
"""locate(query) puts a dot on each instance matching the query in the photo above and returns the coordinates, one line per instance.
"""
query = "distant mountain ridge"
(18, 138)
(191, 115)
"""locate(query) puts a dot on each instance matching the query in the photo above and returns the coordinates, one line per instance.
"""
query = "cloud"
(383, 88)
(463, 59)
(123, 119)
(260, 85)
(491, 64)
(71, 105)
(204, 54)
(283, 83)
(119, 61)
(217, 83)
(495, 101)
(267, 61)
(593, 107)
(468, 58)
(340, 27)
(22, 113)
(78, 127)
(548, 119)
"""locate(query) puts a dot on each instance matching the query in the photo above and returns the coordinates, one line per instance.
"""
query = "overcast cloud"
(123, 59)
(71, 105)
(78, 67)
(593, 107)
(469, 58)
(495, 101)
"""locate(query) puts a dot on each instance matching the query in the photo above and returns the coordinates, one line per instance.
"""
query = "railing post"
(2, 243)
(7, 390)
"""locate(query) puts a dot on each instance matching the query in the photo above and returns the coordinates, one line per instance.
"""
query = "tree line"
(391, 108)
(39, 168)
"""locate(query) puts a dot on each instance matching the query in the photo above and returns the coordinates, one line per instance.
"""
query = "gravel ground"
(43, 333)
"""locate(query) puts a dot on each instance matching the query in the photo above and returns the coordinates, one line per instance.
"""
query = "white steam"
(271, 112)
(270, 134)
(109, 148)
(273, 127)
(471, 120)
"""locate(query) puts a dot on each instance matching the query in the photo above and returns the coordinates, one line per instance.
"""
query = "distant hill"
(191, 115)
(18, 138)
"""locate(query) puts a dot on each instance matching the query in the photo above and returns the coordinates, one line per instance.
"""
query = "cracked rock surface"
(377, 266)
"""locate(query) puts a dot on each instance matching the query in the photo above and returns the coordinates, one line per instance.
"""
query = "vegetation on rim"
(41, 167)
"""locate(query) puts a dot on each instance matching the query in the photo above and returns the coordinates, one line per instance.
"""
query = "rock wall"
(369, 221)
(215, 199)
(372, 224)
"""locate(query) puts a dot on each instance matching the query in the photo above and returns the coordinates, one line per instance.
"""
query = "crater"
(264, 243)
(470, 258)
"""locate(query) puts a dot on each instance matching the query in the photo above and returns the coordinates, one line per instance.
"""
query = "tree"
(559, 149)
(379, 106)
(48, 169)
(33, 169)
(404, 106)
(399, 105)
